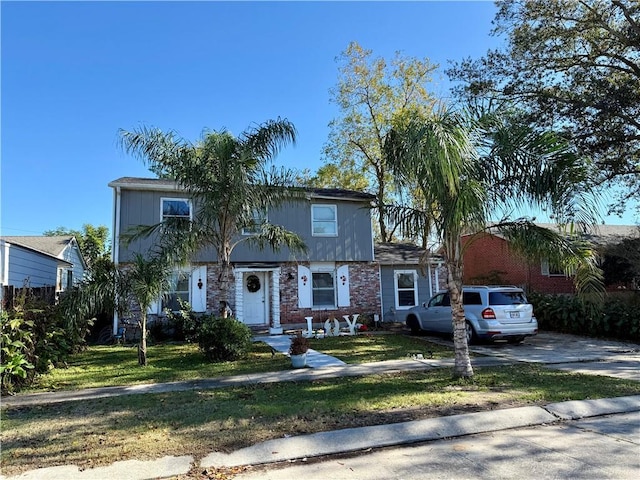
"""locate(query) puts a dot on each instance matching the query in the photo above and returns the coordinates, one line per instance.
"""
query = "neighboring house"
(41, 261)
(404, 283)
(488, 259)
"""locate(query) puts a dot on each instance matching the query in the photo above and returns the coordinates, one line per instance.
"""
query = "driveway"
(572, 353)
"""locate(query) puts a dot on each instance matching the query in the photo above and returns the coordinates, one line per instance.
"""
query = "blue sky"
(73, 73)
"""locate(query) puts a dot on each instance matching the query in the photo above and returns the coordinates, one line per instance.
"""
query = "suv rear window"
(507, 298)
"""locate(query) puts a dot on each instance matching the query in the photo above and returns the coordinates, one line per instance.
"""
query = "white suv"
(493, 312)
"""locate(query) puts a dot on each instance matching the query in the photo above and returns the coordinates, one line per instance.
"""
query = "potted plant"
(298, 350)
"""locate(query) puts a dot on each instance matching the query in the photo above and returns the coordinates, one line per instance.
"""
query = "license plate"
(514, 314)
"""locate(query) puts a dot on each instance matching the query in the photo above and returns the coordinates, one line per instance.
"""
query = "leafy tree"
(93, 241)
(466, 171)
(574, 65)
(371, 95)
(229, 181)
(621, 261)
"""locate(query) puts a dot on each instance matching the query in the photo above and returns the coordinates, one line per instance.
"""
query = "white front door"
(255, 298)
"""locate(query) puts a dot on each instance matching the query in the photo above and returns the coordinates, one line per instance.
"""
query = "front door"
(255, 295)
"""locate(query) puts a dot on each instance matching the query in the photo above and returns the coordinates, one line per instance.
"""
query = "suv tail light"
(488, 314)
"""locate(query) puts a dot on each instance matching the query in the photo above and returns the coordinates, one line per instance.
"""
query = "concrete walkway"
(357, 439)
(314, 359)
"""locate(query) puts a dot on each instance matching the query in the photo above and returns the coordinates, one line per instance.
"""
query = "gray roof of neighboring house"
(51, 246)
(135, 183)
(605, 234)
(401, 253)
(601, 235)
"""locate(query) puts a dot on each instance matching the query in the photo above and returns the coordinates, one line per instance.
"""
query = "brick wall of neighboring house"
(364, 287)
(489, 260)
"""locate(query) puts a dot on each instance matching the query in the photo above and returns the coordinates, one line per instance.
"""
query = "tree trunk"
(461, 348)
(224, 289)
(142, 348)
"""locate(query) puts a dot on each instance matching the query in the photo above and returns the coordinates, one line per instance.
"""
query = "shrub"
(615, 317)
(223, 339)
(17, 348)
(185, 322)
(35, 338)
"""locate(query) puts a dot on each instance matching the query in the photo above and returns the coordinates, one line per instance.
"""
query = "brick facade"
(489, 260)
(364, 283)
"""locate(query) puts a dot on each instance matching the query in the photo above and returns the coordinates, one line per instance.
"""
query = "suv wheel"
(414, 326)
(471, 334)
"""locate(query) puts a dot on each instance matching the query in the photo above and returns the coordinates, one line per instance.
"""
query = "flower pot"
(299, 361)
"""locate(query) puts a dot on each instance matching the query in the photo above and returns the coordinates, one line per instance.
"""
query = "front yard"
(98, 432)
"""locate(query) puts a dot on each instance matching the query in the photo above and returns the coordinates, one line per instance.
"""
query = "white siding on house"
(25, 265)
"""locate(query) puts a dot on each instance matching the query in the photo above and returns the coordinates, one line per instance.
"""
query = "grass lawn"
(99, 432)
(102, 366)
(365, 347)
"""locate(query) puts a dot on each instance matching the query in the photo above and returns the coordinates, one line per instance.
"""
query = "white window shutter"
(304, 287)
(198, 294)
(342, 278)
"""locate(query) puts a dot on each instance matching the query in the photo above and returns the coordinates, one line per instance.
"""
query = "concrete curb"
(126, 470)
(575, 409)
(356, 439)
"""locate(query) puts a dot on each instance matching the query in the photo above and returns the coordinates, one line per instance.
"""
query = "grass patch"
(365, 347)
(103, 366)
(98, 432)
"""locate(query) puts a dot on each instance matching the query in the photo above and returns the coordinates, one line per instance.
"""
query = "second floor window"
(324, 220)
(258, 218)
(179, 208)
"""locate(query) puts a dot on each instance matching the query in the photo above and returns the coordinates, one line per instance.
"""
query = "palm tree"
(465, 172)
(231, 186)
(146, 280)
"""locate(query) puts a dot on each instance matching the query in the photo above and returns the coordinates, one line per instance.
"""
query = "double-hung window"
(323, 289)
(258, 218)
(324, 220)
(175, 209)
(406, 286)
(180, 287)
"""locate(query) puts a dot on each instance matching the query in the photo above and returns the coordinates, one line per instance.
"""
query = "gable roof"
(163, 184)
(50, 246)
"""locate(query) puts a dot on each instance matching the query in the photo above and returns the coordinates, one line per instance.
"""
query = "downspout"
(115, 245)
(4, 280)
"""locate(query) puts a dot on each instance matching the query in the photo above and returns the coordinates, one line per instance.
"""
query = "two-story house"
(338, 274)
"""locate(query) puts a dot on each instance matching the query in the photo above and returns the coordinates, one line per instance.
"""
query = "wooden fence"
(12, 295)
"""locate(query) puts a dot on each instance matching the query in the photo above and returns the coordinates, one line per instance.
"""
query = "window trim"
(546, 270)
(334, 207)
(331, 269)
(181, 274)
(396, 289)
(186, 200)
(264, 218)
